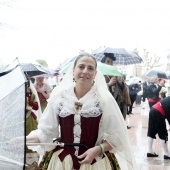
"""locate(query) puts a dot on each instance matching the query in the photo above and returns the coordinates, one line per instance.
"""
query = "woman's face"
(108, 61)
(120, 80)
(85, 70)
(39, 79)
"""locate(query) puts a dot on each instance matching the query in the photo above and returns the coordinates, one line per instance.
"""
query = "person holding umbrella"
(108, 59)
(86, 113)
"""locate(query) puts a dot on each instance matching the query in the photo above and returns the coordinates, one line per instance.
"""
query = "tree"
(149, 61)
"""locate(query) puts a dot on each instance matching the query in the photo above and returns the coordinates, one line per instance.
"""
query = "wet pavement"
(138, 137)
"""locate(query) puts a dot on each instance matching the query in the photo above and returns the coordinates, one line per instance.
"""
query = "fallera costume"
(98, 118)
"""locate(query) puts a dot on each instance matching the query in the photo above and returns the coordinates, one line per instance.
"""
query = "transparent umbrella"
(156, 72)
(12, 117)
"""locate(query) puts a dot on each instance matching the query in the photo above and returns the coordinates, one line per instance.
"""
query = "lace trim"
(65, 103)
(77, 132)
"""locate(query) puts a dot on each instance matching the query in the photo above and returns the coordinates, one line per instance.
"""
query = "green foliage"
(42, 62)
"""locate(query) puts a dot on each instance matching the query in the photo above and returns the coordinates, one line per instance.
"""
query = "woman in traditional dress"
(31, 123)
(87, 114)
(43, 90)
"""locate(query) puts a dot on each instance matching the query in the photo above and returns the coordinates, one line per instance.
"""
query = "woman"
(31, 123)
(85, 116)
(43, 90)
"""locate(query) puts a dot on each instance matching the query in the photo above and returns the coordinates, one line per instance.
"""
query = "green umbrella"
(104, 68)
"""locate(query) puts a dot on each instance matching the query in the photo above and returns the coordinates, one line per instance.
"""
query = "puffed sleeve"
(47, 127)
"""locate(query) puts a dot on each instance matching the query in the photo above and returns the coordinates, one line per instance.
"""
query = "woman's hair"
(84, 54)
(108, 55)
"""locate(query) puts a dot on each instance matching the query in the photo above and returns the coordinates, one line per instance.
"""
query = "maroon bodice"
(88, 136)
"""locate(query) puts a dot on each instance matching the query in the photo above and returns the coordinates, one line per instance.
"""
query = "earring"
(73, 79)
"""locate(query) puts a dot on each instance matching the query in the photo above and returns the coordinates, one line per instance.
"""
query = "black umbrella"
(12, 117)
(34, 69)
(121, 56)
(156, 72)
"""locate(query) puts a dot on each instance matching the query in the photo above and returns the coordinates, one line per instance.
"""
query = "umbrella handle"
(76, 144)
(58, 140)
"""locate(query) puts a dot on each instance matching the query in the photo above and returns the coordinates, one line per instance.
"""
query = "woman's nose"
(85, 70)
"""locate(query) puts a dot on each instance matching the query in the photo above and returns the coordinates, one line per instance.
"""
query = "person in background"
(31, 124)
(153, 91)
(114, 89)
(124, 96)
(133, 90)
(43, 90)
(159, 112)
(138, 97)
(87, 114)
(163, 91)
(145, 86)
(108, 59)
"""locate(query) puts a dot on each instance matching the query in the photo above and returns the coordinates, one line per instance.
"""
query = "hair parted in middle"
(84, 54)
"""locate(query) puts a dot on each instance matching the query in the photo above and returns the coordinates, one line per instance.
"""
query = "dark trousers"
(157, 125)
(132, 99)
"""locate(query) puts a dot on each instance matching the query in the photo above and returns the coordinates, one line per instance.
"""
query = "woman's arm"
(32, 139)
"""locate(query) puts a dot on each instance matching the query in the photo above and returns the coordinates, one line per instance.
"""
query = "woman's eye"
(91, 68)
(81, 67)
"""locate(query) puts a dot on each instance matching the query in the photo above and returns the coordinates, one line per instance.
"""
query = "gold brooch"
(78, 105)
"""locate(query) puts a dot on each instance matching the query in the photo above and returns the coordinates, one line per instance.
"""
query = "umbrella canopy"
(168, 76)
(34, 70)
(104, 68)
(155, 72)
(122, 56)
(134, 80)
(12, 117)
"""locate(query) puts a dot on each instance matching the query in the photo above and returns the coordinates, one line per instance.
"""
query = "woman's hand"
(40, 90)
(32, 139)
(92, 153)
(89, 155)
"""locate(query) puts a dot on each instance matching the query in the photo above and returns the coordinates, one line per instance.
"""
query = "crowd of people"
(87, 112)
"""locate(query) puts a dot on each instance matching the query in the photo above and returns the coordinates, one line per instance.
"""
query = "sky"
(55, 30)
